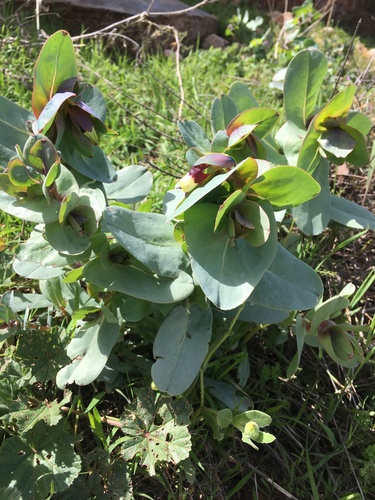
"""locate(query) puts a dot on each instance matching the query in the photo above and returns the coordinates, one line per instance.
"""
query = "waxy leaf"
(313, 216)
(37, 210)
(132, 185)
(20, 174)
(93, 100)
(180, 347)
(66, 238)
(242, 96)
(40, 153)
(227, 206)
(226, 270)
(360, 155)
(330, 309)
(98, 167)
(351, 214)
(239, 134)
(55, 66)
(246, 172)
(290, 137)
(36, 259)
(89, 351)
(336, 111)
(13, 129)
(222, 112)
(337, 344)
(337, 142)
(254, 222)
(309, 156)
(359, 121)
(219, 142)
(22, 301)
(194, 135)
(228, 394)
(260, 119)
(149, 238)
(48, 115)
(285, 186)
(253, 313)
(302, 85)
(288, 284)
(138, 283)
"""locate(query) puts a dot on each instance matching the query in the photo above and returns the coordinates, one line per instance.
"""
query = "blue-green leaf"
(351, 214)
(180, 347)
(132, 185)
(302, 85)
(227, 271)
(288, 284)
(149, 238)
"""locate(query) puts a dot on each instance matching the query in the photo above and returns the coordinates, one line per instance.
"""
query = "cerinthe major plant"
(209, 267)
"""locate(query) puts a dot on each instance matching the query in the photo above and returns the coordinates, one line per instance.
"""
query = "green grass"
(323, 416)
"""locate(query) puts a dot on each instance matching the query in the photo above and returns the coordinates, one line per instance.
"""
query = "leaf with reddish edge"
(55, 65)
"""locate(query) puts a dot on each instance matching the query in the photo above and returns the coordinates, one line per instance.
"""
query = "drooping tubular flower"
(203, 169)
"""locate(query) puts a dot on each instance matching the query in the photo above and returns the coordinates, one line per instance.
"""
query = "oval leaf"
(288, 284)
(132, 185)
(55, 65)
(180, 347)
(285, 186)
(227, 271)
(149, 238)
(137, 283)
(302, 85)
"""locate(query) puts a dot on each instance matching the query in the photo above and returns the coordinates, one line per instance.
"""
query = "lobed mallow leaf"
(156, 429)
(42, 457)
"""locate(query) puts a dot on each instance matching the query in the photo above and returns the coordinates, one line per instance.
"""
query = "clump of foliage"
(112, 276)
(255, 32)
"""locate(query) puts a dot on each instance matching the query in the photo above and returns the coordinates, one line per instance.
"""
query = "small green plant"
(112, 277)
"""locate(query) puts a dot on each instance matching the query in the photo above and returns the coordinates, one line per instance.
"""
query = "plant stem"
(105, 420)
(214, 347)
(251, 334)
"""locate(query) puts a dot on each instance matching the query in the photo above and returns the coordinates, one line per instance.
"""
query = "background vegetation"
(322, 417)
